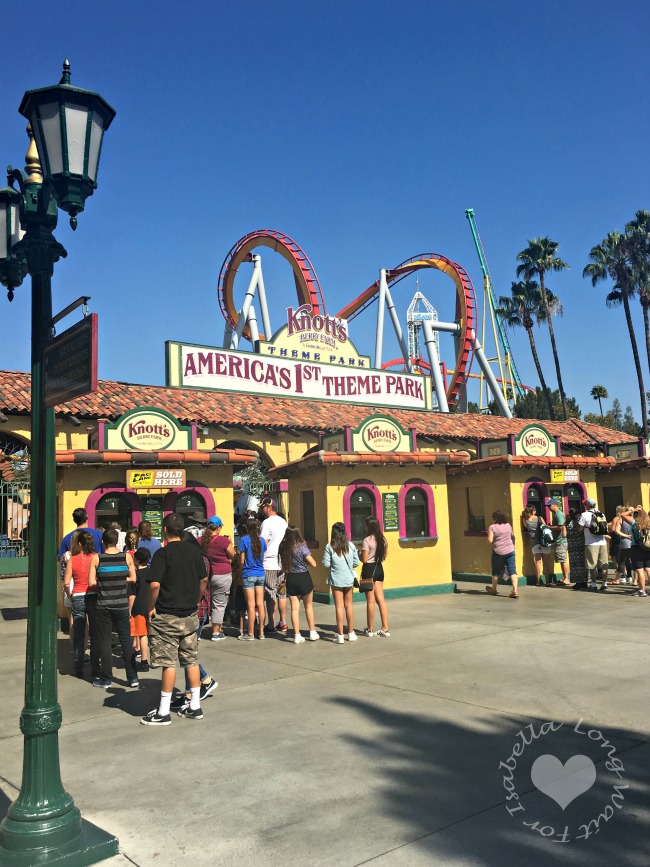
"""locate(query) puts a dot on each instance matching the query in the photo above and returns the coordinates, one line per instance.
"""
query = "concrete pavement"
(398, 751)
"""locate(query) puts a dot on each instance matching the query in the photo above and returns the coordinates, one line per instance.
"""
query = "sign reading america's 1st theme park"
(311, 357)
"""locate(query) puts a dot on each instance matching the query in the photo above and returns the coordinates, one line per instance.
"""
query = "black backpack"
(598, 525)
(544, 535)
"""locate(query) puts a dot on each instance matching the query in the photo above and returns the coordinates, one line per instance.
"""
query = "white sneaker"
(383, 634)
(314, 636)
(339, 639)
(298, 638)
(369, 633)
(352, 636)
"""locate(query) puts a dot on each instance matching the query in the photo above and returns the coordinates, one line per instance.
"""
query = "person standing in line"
(295, 557)
(502, 539)
(273, 529)
(558, 525)
(131, 542)
(341, 558)
(251, 556)
(109, 575)
(639, 554)
(530, 524)
(177, 580)
(625, 548)
(146, 538)
(596, 558)
(219, 550)
(208, 684)
(84, 599)
(80, 517)
(373, 554)
(140, 607)
(576, 544)
(619, 547)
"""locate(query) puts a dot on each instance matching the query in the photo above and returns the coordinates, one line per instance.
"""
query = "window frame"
(347, 499)
(425, 489)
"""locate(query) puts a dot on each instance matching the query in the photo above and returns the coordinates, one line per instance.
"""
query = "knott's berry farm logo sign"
(535, 442)
(317, 337)
(381, 433)
(147, 429)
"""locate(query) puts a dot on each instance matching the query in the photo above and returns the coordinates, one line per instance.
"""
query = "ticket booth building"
(509, 483)
(406, 492)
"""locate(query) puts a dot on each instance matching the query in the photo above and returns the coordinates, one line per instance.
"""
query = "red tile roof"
(6, 470)
(113, 399)
(349, 459)
(564, 462)
(147, 459)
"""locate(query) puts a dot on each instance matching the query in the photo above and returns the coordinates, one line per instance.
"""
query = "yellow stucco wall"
(635, 484)
(409, 564)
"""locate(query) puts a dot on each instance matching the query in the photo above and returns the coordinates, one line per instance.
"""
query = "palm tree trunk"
(645, 301)
(600, 404)
(547, 393)
(560, 385)
(637, 361)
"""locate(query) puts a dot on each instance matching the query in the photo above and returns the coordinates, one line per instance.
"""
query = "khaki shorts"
(173, 639)
(596, 556)
(561, 551)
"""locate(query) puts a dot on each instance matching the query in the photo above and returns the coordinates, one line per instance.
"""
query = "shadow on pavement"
(444, 782)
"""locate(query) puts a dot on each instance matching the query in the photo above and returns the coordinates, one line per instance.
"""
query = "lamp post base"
(93, 845)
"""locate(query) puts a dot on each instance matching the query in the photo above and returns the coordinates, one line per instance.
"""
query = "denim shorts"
(499, 561)
(252, 581)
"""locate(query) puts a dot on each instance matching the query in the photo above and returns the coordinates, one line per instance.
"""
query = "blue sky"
(361, 129)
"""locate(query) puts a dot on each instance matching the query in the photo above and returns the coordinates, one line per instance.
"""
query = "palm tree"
(638, 230)
(598, 392)
(612, 258)
(518, 310)
(536, 260)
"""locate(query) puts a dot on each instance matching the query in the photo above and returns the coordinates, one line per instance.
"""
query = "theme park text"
(225, 370)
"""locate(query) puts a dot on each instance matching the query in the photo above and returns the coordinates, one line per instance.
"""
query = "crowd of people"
(582, 543)
(153, 601)
(156, 599)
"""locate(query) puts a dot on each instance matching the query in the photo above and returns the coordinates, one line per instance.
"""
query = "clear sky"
(362, 129)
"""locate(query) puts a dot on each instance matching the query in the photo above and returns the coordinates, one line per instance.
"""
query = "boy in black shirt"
(177, 578)
(139, 593)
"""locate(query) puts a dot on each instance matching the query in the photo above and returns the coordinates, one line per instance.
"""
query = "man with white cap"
(272, 531)
(594, 525)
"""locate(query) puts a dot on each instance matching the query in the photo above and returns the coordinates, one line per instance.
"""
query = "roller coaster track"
(308, 287)
(465, 311)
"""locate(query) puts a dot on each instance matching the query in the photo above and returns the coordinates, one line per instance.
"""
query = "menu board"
(391, 511)
(152, 511)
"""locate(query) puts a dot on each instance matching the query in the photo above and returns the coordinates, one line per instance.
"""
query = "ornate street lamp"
(43, 824)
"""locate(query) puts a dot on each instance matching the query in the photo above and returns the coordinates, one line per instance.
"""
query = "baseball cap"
(589, 503)
(216, 521)
(267, 501)
(552, 502)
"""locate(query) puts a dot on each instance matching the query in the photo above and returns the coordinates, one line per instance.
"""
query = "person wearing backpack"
(532, 524)
(640, 551)
(594, 525)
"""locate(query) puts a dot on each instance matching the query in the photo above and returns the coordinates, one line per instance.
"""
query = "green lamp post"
(66, 127)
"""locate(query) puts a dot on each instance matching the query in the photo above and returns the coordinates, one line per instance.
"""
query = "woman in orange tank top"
(75, 585)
